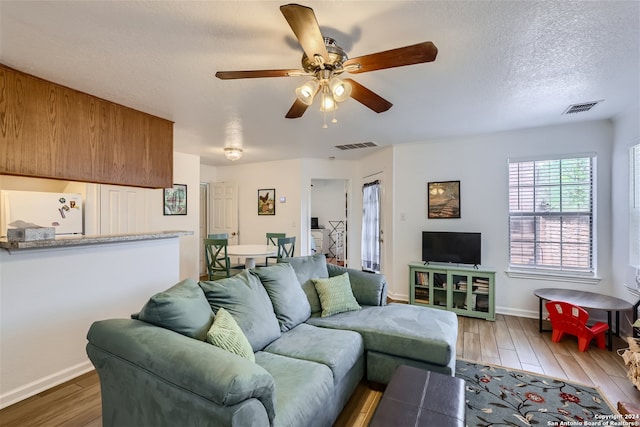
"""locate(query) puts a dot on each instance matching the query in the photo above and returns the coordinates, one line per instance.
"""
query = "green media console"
(466, 291)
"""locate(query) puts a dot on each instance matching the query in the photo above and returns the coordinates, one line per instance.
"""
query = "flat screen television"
(451, 247)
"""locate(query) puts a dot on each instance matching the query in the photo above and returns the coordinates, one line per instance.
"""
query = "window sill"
(555, 276)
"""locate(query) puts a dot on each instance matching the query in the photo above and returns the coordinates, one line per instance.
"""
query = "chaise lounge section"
(298, 368)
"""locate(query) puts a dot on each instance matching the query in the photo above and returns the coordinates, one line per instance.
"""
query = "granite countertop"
(67, 241)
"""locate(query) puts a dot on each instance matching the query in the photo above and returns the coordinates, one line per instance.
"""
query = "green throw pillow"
(226, 334)
(335, 295)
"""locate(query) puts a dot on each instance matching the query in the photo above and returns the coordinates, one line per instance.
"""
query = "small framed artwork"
(443, 199)
(266, 201)
(175, 200)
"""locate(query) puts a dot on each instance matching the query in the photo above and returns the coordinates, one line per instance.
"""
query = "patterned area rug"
(507, 397)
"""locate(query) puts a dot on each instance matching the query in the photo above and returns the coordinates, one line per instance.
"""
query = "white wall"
(284, 177)
(186, 170)
(627, 134)
(480, 164)
(50, 297)
(291, 179)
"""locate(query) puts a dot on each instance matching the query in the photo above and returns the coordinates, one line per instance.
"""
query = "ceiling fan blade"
(408, 55)
(252, 74)
(304, 24)
(297, 110)
(368, 98)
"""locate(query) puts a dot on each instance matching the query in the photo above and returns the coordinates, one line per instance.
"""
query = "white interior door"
(123, 209)
(224, 210)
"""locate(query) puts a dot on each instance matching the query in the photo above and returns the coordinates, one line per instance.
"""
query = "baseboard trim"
(45, 383)
(533, 314)
(398, 297)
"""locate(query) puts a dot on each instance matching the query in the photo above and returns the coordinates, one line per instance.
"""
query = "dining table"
(251, 252)
(586, 299)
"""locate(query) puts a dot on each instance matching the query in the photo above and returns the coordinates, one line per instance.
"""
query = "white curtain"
(371, 226)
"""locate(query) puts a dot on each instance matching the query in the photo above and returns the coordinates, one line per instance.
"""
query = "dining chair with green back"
(272, 240)
(286, 246)
(218, 236)
(218, 262)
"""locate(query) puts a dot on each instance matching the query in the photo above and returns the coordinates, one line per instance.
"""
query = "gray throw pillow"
(307, 268)
(244, 297)
(289, 300)
(182, 308)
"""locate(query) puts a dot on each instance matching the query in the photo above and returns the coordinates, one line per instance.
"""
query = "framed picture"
(266, 201)
(175, 200)
(443, 199)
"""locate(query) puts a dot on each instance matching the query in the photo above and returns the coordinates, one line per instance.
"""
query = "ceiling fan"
(324, 61)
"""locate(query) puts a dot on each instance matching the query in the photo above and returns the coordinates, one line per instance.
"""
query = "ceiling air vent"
(356, 145)
(581, 108)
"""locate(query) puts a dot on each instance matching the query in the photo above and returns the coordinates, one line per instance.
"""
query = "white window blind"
(551, 214)
(634, 206)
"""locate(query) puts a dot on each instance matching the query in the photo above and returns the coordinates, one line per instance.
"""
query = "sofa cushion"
(307, 268)
(289, 300)
(244, 297)
(335, 295)
(419, 333)
(368, 288)
(337, 349)
(226, 334)
(182, 308)
(303, 388)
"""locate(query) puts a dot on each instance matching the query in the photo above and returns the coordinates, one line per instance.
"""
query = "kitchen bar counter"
(67, 241)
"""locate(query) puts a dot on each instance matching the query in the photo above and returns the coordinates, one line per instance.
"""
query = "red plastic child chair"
(570, 319)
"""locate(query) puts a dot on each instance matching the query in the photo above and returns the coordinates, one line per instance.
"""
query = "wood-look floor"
(509, 341)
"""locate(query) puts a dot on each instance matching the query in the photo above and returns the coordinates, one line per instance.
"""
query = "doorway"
(329, 213)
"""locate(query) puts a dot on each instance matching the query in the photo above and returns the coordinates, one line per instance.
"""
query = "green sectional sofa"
(284, 345)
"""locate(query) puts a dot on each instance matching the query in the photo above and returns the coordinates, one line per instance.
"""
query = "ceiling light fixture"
(307, 91)
(333, 90)
(340, 89)
(233, 153)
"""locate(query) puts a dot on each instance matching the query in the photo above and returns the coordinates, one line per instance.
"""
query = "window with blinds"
(551, 214)
(634, 206)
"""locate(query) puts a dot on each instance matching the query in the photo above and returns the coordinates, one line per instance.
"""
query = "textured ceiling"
(501, 65)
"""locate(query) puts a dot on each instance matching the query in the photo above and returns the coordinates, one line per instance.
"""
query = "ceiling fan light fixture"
(340, 89)
(328, 103)
(307, 92)
(233, 153)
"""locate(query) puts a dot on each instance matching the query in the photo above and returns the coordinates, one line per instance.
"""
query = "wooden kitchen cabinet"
(51, 131)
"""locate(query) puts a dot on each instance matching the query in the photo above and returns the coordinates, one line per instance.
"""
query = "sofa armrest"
(368, 288)
(203, 369)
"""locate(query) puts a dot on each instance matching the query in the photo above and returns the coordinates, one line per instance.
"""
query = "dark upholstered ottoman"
(415, 397)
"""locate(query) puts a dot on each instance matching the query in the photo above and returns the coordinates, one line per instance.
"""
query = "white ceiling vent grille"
(581, 108)
(356, 145)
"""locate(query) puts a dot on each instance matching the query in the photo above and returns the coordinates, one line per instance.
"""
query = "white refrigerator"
(62, 211)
